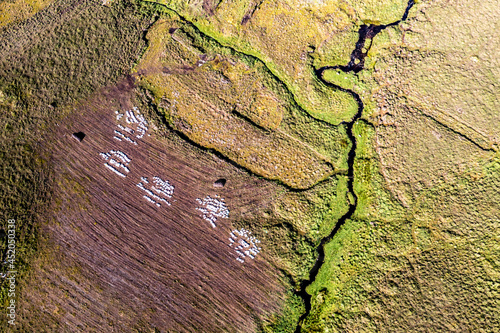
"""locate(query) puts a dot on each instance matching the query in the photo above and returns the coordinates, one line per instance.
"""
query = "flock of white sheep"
(158, 191)
(212, 208)
(246, 244)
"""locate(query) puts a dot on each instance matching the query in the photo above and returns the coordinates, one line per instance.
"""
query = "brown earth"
(118, 263)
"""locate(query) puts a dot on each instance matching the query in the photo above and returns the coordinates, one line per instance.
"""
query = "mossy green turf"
(421, 252)
(291, 41)
(431, 266)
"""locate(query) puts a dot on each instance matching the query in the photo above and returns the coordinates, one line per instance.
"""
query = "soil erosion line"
(355, 65)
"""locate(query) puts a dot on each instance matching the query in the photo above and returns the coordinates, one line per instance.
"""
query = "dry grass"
(46, 63)
(20, 10)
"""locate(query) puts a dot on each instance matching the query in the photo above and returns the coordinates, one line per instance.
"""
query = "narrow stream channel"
(355, 65)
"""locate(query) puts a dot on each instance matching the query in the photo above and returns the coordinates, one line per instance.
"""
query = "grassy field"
(227, 101)
(46, 77)
(12, 12)
(289, 41)
(421, 252)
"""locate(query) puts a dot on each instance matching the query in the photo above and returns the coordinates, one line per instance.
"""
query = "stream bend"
(355, 65)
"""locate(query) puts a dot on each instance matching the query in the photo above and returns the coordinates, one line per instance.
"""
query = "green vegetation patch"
(291, 36)
(421, 252)
(230, 102)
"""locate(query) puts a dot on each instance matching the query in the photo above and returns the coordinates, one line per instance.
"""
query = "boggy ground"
(128, 264)
(287, 35)
(421, 253)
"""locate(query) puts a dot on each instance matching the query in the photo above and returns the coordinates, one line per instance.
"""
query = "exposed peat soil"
(355, 65)
(164, 266)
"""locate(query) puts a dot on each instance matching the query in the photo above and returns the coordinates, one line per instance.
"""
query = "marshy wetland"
(251, 166)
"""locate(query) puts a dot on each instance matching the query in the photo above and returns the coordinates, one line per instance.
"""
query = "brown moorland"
(120, 263)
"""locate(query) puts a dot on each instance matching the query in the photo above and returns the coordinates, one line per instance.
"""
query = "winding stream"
(355, 65)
